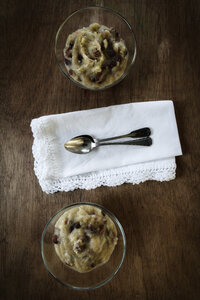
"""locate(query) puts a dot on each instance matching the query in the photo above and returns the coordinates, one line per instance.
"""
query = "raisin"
(67, 62)
(102, 46)
(66, 221)
(68, 52)
(71, 228)
(55, 239)
(101, 228)
(80, 57)
(98, 75)
(110, 51)
(93, 229)
(112, 64)
(117, 36)
(103, 213)
(74, 225)
(77, 225)
(92, 265)
(95, 77)
(71, 72)
(86, 237)
(71, 45)
(118, 58)
(103, 67)
(97, 53)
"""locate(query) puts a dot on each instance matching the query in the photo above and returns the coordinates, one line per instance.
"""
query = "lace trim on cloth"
(93, 180)
(160, 170)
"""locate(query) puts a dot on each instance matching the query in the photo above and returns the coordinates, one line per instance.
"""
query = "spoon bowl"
(81, 144)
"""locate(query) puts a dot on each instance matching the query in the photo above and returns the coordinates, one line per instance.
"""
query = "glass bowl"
(71, 278)
(83, 18)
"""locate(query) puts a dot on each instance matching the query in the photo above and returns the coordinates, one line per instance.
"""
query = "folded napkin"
(60, 170)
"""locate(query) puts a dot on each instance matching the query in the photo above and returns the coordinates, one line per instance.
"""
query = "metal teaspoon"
(84, 144)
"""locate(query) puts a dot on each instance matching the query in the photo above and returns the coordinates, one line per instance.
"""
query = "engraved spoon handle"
(138, 142)
(143, 132)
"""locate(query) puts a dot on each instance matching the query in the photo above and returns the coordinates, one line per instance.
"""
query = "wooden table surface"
(161, 220)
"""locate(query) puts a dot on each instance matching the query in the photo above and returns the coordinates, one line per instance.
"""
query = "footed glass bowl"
(83, 18)
(71, 278)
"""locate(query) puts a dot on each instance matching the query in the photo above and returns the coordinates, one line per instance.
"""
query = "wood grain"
(161, 220)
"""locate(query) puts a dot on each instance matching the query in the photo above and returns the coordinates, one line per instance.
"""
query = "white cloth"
(60, 170)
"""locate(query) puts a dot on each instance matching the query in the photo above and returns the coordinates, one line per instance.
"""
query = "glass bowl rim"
(128, 68)
(110, 214)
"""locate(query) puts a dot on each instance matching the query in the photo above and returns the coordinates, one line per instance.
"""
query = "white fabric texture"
(60, 170)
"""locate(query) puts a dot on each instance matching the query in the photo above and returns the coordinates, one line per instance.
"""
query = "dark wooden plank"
(161, 220)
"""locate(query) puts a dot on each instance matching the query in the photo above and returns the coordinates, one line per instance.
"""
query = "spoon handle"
(142, 132)
(139, 142)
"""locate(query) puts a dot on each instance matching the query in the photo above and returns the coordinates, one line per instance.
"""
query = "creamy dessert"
(95, 56)
(84, 238)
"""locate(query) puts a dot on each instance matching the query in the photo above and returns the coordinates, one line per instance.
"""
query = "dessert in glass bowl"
(95, 55)
(99, 52)
(91, 230)
(84, 238)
